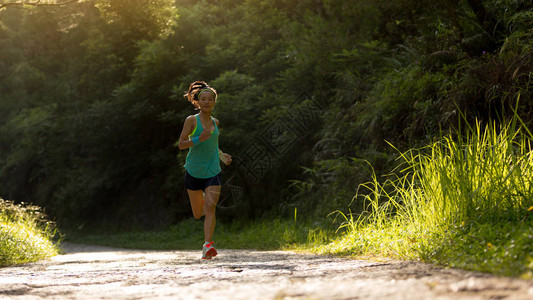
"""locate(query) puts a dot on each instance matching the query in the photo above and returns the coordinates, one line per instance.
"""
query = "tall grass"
(25, 234)
(465, 200)
(486, 174)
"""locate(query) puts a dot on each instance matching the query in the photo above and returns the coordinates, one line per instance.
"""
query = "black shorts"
(195, 184)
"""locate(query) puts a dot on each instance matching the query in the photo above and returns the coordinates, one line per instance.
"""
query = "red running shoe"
(209, 251)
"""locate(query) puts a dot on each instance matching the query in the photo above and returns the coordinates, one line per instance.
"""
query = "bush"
(25, 234)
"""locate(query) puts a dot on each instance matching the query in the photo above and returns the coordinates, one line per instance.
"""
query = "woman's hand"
(206, 134)
(225, 158)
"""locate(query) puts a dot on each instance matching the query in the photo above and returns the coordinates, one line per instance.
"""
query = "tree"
(4, 4)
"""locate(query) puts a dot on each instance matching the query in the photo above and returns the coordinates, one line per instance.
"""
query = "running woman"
(203, 173)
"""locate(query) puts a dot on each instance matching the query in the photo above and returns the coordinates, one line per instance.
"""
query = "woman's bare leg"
(212, 194)
(197, 203)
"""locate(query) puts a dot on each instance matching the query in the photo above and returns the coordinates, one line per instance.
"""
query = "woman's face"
(206, 100)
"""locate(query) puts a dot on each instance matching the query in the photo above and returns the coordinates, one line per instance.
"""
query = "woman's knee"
(197, 215)
(210, 205)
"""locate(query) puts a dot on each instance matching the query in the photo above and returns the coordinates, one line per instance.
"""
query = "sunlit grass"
(464, 201)
(25, 236)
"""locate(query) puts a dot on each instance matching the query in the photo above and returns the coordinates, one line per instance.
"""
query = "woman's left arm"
(224, 157)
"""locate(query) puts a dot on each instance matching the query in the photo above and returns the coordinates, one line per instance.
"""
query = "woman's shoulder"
(216, 120)
(190, 121)
(191, 118)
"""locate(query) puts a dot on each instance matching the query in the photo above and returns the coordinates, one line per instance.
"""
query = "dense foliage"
(309, 91)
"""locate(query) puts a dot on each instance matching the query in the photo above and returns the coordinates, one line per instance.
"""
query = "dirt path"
(89, 272)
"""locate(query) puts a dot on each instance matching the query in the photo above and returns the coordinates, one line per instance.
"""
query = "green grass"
(25, 234)
(465, 201)
(188, 235)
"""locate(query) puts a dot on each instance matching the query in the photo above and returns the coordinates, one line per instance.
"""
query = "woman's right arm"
(184, 141)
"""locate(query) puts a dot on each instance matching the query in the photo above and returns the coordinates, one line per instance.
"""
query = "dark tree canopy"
(91, 93)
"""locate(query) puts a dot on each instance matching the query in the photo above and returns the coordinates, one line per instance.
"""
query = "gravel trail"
(92, 272)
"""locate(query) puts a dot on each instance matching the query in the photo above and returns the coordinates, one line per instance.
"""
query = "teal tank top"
(203, 160)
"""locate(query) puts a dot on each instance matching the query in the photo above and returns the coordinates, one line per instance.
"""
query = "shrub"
(25, 234)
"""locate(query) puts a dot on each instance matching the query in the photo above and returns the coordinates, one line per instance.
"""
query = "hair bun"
(194, 91)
